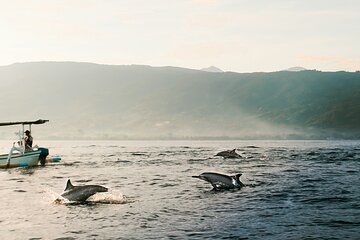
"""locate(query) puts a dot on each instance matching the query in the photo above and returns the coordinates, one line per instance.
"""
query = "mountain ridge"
(212, 69)
(92, 101)
(295, 69)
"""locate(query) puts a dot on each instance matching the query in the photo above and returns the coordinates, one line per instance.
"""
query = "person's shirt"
(28, 141)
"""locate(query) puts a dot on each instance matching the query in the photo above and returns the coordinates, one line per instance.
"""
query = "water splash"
(54, 197)
(111, 197)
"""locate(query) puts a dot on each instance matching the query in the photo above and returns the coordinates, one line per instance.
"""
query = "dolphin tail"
(237, 177)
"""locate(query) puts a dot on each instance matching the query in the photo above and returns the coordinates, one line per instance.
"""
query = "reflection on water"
(295, 190)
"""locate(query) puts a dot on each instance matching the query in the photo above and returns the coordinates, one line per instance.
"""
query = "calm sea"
(295, 190)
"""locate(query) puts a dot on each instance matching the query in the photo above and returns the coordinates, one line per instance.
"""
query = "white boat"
(19, 156)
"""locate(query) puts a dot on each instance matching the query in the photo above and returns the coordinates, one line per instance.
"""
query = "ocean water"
(295, 190)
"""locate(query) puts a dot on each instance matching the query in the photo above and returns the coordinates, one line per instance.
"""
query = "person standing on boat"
(28, 140)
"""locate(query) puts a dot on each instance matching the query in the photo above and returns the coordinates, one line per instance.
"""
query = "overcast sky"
(234, 35)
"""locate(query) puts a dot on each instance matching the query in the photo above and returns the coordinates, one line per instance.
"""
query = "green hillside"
(91, 101)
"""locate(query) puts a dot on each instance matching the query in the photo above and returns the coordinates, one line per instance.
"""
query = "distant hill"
(211, 69)
(295, 69)
(92, 101)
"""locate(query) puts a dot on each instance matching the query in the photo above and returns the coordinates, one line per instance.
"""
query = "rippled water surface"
(295, 190)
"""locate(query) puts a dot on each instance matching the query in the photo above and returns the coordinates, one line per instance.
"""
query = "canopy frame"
(40, 121)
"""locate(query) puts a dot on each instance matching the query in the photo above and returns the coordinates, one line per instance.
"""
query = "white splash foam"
(112, 197)
(54, 197)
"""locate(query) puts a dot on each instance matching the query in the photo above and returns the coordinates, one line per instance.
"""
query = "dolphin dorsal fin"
(68, 185)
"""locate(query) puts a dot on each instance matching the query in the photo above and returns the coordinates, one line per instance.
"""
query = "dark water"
(295, 190)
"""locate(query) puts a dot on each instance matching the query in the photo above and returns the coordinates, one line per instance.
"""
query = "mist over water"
(93, 101)
(295, 190)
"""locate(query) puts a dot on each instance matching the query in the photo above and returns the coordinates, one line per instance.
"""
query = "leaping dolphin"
(221, 181)
(81, 193)
(229, 154)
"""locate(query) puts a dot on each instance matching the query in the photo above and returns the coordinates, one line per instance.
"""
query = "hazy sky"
(235, 35)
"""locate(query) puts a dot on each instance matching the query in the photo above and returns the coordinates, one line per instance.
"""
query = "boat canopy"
(40, 121)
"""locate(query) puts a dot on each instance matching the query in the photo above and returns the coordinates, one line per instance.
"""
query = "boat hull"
(18, 160)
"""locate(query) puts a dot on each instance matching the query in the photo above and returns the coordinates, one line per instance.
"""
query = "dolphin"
(229, 154)
(81, 193)
(221, 181)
